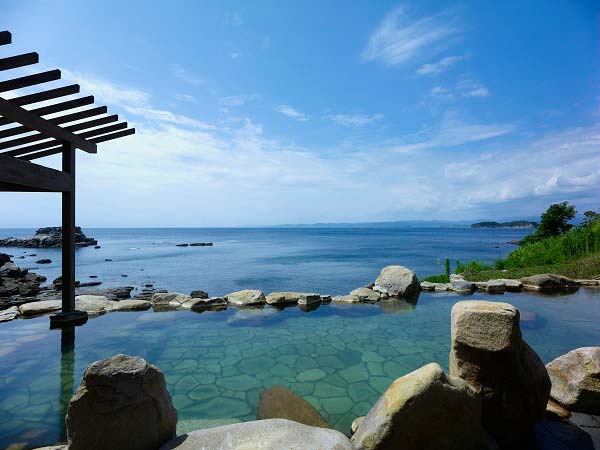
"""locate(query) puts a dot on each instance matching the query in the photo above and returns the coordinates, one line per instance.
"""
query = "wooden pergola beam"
(5, 37)
(40, 137)
(29, 80)
(57, 120)
(12, 62)
(56, 107)
(32, 177)
(35, 122)
(104, 134)
(45, 95)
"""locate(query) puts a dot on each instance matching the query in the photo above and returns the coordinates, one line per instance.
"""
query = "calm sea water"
(340, 358)
(326, 260)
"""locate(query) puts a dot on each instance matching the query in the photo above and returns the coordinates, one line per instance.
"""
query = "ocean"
(324, 260)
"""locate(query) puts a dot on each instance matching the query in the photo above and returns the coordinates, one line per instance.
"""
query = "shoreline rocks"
(48, 237)
(547, 282)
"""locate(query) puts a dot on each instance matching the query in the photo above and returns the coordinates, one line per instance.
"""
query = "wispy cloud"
(398, 40)
(454, 132)
(472, 88)
(185, 98)
(440, 66)
(354, 120)
(440, 92)
(288, 111)
(238, 100)
(182, 74)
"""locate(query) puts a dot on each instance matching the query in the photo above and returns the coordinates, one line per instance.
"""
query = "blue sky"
(252, 113)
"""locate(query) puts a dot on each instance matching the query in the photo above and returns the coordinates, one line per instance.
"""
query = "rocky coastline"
(48, 237)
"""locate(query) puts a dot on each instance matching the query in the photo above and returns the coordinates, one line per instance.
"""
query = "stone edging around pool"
(394, 282)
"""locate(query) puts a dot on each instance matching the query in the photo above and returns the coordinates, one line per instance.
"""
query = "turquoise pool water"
(338, 357)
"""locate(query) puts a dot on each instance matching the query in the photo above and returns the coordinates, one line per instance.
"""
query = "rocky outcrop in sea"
(17, 286)
(48, 237)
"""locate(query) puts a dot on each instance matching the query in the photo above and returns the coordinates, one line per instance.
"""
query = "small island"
(514, 224)
(48, 237)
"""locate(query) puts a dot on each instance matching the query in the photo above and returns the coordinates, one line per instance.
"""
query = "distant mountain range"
(415, 224)
(513, 224)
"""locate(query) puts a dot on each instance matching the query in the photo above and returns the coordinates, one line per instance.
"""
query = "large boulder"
(247, 297)
(209, 304)
(549, 283)
(397, 281)
(278, 402)
(122, 403)
(425, 409)
(575, 379)
(487, 351)
(272, 434)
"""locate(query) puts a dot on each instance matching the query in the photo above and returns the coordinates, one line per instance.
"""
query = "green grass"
(575, 254)
(438, 279)
(586, 267)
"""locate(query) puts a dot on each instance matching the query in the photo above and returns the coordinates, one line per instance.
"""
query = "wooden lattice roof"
(82, 129)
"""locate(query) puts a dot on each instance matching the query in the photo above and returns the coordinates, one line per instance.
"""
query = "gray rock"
(549, 283)
(130, 305)
(326, 298)
(171, 301)
(462, 287)
(309, 299)
(456, 277)
(575, 379)
(425, 409)
(366, 294)
(488, 352)
(512, 285)
(346, 299)
(92, 304)
(492, 287)
(247, 297)
(198, 294)
(283, 298)
(41, 307)
(47, 237)
(122, 403)
(397, 281)
(208, 304)
(9, 314)
(271, 434)
(427, 286)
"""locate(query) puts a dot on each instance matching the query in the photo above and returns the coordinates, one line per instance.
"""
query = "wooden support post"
(68, 231)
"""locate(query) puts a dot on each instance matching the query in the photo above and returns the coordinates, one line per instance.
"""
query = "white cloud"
(440, 66)
(472, 88)
(440, 92)
(177, 171)
(185, 98)
(182, 74)
(454, 132)
(355, 120)
(399, 41)
(238, 100)
(287, 110)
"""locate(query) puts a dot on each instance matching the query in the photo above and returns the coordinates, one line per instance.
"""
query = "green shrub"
(438, 279)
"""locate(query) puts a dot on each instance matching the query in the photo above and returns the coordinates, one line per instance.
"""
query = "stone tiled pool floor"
(340, 358)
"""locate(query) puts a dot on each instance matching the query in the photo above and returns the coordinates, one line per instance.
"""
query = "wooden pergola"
(25, 135)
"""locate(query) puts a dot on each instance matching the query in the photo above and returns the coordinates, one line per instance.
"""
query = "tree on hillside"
(554, 222)
(589, 217)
